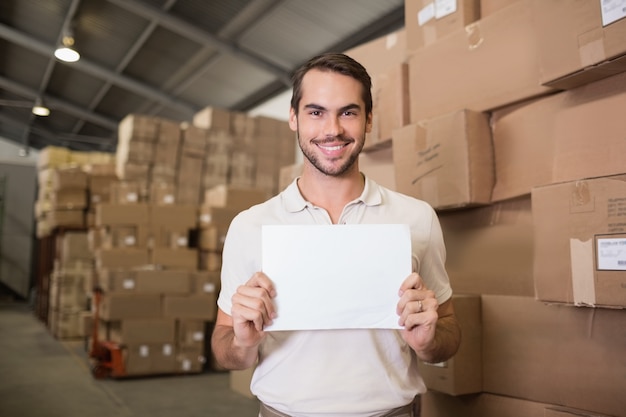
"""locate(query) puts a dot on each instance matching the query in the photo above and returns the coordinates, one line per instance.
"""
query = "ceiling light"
(39, 109)
(66, 51)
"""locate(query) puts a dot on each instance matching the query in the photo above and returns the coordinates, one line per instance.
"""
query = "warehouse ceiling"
(168, 58)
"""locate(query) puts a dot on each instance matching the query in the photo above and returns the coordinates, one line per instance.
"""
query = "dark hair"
(334, 62)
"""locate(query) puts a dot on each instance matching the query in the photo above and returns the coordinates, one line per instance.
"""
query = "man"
(356, 372)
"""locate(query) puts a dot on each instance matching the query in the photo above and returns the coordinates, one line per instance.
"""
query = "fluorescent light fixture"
(66, 52)
(39, 109)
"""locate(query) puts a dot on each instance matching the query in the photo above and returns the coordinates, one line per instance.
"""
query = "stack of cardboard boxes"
(68, 292)
(154, 216)
(515, 137)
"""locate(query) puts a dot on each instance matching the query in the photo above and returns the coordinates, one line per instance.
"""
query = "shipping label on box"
(579, 42)
(580, 241)
(490, 63)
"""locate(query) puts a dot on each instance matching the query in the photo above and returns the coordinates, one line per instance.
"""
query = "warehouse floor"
(42, 376)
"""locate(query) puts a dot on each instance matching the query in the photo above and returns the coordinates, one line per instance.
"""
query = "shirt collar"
(293, 201)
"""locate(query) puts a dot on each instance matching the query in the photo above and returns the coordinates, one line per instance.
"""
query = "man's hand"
(236, 338)
(430, 329)
(252, 310)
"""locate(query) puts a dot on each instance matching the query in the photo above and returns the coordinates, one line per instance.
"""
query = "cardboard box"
(190, 332)
(523, 142)
(70, 178)
(65, 218)
(390, 94)
(210, 261)
(533, 351)
(100, 188)
(168, 132)
(568, 412)
(134, 331)
(167, 154)
(566, 136)
(580, 237)
(121, 258)
(149, 359)
(205, 282)
(174, 215)
(162, 193)
(233, 197)
(489, 7)
(579, 42)
(489, 250)
(426, 21)
(202, 307)
(53, 156)
(170, 237)
(125, 192)
(378, 165)
(190, 359)
(381, 54)
(116, 306)
(113, 214)
(145, 281)
(435, 404)
(69, 199)
(446, 161)
(73, 246)
(462, 374)
(126, 236)
(212, 118)
(180, 258)
(288, 174)
(139, 127)
(488, 64)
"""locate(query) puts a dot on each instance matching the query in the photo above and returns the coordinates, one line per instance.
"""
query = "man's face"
(332, 122)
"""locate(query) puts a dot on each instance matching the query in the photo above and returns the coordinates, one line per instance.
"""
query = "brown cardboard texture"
(580, 242)
(488, 64)
(567, 136)
(435, 404)
(446, 161)
(130, 306)
(111, 214)
(234, 198)
(381, 54)
(390, 93)
(462, 374)
(579, 42)
(190, 307)
(555, 354)
(489, 250)
(132, 331)
(426, 21)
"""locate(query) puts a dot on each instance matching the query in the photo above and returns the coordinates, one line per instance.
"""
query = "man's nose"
(333, 127)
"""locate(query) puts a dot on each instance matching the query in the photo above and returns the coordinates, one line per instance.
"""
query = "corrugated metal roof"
(169, 58)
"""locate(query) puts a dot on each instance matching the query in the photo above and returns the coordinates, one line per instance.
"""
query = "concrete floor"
(44, 377)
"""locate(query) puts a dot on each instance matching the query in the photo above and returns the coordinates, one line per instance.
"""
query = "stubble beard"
(333, 170)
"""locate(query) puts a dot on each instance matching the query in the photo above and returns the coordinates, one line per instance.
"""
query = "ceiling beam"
(99, 72)
(58, 104)
(86, 142)
(203, 37)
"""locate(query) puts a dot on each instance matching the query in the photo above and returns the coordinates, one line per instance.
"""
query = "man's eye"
(315, 113)
(349, 113)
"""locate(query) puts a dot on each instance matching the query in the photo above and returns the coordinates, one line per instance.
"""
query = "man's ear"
(368, 123)
(293, 120)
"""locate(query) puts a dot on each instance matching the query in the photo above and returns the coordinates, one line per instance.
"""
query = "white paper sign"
(336, 276)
